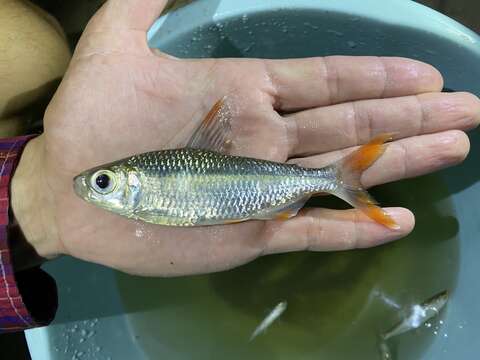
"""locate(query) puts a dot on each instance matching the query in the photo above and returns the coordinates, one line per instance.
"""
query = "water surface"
(338, 302)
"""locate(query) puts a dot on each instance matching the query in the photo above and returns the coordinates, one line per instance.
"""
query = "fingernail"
(447, 139)
(396, 215)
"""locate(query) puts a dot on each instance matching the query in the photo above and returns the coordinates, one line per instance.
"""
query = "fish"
(277, 311)
(384, 350)
(419, 315)
(202, 184)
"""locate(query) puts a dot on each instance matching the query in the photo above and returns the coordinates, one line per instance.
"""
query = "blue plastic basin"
(90, 302)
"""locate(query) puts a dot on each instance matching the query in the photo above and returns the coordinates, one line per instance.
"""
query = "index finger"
(313, 82)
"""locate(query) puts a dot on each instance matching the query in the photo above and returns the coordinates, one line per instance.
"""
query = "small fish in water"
(385, 352)
(419, 315)
(202, 185)
(269, 319)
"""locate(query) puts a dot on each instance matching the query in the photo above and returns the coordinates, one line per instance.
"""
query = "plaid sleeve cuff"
(27, 298)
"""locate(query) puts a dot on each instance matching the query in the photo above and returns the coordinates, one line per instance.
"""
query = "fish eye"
(103, 181)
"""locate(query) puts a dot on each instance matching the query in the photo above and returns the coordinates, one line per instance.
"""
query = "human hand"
(119, 98)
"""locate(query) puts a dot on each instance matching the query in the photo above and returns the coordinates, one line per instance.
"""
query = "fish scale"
(187, 186)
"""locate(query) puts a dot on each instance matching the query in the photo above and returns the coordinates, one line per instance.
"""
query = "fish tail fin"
(348, 172)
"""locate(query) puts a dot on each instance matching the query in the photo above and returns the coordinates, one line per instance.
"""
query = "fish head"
(437, 302)
(114, 187)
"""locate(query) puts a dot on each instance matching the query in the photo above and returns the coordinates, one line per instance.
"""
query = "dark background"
(73, 15)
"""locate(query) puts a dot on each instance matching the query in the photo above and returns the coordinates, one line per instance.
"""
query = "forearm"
(32, 203)
(27, 294)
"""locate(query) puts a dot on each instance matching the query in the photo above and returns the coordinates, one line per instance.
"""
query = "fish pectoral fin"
(285, 212)
(215, 131)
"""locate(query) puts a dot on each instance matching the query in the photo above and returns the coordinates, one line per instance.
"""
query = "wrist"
(32, 202)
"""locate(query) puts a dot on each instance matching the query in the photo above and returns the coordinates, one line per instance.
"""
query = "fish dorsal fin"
(214, 133)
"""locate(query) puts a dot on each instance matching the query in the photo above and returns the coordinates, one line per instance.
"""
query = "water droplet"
(445, 335)
(57, 349)
(98, 348)
(90, 333)
(83, 332)
(80, 354)
(244, 17)
(81, 340)
(428, 325)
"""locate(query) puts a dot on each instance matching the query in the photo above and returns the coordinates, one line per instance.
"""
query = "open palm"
(120, 98)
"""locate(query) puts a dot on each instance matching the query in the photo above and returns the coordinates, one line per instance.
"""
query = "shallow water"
(338, 303)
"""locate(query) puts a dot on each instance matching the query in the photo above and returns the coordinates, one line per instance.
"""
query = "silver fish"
(384, 349)
(202, 185)
(419, 315)
(269, 319)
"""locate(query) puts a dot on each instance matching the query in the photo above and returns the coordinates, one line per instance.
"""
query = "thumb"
(128, 14)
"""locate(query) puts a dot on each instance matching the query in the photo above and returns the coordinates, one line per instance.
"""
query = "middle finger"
(344, 125)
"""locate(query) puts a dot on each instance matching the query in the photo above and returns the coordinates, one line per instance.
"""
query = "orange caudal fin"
(380, 216)
(350, 169)
(360, 160)
(361, 200)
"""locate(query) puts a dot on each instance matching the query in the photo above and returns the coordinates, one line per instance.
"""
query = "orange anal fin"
(285, 215)
(227, 222)
(364, 157)
(285, 212)
(380, 216)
